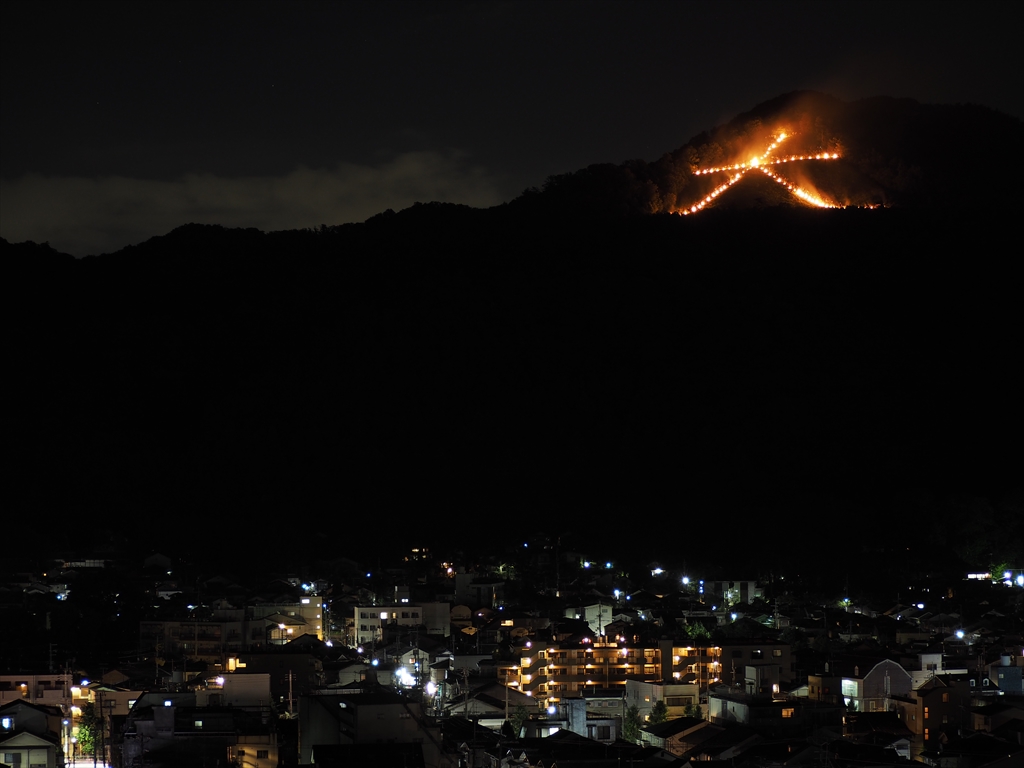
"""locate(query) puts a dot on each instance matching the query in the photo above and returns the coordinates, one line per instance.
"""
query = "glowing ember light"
(760, 162)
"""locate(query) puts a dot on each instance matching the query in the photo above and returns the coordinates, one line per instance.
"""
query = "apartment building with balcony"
(47, 689)
(229, 631)
(557, 670)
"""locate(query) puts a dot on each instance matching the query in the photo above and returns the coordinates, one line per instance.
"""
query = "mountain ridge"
(533, 355)
(894, 152)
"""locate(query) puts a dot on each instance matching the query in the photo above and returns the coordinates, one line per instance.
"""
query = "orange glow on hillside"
(760, 162)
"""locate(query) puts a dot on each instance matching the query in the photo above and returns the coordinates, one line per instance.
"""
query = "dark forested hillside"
(478, 362)
(451, 371)
(891, 151)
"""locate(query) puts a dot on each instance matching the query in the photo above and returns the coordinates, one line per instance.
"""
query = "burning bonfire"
(768, 163)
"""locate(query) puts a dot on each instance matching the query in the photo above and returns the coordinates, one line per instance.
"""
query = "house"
(870, 688)
(356, 718)
(680, 735)
(1008, 674)
(992, 717)
(572, 715)
(597, 615)
(489, 704)
(40, 719)
(937, 709)
(770, 716)
(32, 733)
(28, 749)
(677, 696)
(730, 743)
(479, 591)
(880, 729)
(172, 724)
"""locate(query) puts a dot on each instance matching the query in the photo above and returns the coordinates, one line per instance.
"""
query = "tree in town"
(659, 713)
(88, 729)
(631, 724)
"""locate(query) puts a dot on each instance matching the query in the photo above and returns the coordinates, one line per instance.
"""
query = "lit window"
(787, 712)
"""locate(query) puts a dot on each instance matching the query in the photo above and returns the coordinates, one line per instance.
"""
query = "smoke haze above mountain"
(106, 213)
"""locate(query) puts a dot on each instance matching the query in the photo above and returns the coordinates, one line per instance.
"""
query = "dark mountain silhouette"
(892, 151)
(442, 370)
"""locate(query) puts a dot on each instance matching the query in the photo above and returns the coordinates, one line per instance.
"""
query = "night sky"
(121, 121)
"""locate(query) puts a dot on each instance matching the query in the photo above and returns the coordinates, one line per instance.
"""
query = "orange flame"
(759, 162)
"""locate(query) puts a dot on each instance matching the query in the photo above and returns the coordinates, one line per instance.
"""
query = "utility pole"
(95, 747)
(291, 676)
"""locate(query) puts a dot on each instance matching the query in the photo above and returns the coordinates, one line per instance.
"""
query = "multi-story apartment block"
(727, 662)
(52, 689)
(233, 630)
(551, 670)
(371, 620)
(555, 670)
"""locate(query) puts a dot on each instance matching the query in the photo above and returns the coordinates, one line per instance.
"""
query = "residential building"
(870, 688)
(359, 718)
(230, 631)
(680, 735)
(936, 710)
(479, 591)
(198, 735)
(38, 689)
(29, 749)
(556, 670)
(732, 592)
(677, 696)
(727, 704)
(32, 734)
(597, 615)
(370, 621)
(573, 714)
(1008, 674)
